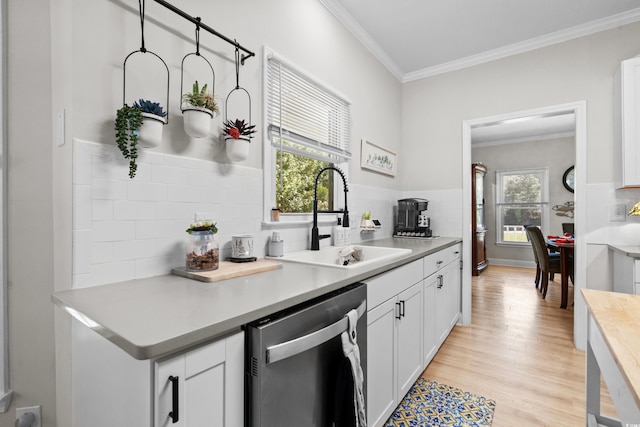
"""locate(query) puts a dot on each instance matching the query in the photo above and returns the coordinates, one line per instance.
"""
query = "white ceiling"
(420, 38)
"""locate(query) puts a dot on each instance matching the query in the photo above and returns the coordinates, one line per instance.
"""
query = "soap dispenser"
(338, 234)
(276, 245)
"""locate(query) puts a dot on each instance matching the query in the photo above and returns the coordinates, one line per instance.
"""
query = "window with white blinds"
(304, 117)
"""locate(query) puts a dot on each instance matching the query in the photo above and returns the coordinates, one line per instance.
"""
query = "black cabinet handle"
(399, 315)
(174, 414)
(440, 282)
(402, 308)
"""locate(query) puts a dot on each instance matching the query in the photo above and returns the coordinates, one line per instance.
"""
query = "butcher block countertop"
(157, 316)
(617, 316)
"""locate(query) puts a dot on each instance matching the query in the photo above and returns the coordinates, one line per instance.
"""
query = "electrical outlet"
(618, 213)
(35, 410)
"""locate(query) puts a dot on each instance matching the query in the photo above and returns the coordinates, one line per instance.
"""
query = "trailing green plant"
(150, 107)
(128, 121)
(201, 98)
(236, 129)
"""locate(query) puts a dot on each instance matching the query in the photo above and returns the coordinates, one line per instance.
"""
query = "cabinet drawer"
(387, 285)
(435, 261)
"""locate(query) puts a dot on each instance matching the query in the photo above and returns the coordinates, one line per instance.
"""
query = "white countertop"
(153, 317)
(628, 250)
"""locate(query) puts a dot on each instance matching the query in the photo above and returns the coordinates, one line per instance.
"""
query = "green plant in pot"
(132, 131)
(237, 135)
(202, 252)
(199, 108)
(153, 119)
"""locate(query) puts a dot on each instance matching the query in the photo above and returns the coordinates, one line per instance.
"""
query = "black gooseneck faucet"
(315, 237)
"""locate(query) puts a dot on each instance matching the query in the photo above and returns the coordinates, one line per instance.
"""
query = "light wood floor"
(518, 351)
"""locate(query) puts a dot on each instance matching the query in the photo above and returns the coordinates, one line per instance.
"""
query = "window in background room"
(521, 199)
(308, 128)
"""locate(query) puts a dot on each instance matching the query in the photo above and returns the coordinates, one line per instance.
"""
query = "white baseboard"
(511, 263)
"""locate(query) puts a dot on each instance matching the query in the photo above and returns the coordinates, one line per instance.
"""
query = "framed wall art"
(377, 159)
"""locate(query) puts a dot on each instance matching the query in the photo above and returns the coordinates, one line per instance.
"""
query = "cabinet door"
(381, 362)
(626, 129)
(204, 386)
(409, 338)
(430, 340)
(448, 299)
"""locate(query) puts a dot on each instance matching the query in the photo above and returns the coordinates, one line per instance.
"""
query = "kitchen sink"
(329, 256)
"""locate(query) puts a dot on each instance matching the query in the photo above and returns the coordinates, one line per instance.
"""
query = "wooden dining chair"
(546, 263)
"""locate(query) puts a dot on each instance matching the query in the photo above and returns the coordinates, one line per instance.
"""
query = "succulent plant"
(201, 98)
(202, 226)
(147, 106)
(128, 121)
(236, 129)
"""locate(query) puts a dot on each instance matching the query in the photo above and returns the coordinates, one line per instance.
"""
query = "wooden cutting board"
(229, 270)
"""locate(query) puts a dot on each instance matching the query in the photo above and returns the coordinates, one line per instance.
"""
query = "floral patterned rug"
(431, 404)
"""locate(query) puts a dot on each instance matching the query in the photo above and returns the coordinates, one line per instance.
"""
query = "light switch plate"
(618, 213)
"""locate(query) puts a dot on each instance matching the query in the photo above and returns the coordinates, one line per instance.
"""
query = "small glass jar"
(202, 251)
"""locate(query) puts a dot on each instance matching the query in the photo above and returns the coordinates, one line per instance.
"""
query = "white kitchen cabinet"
(430, 339)
(394, 338)
(626, 273)
(626, 125)
(110, 388)
(447, 299)
(442, 297)
(202, 387)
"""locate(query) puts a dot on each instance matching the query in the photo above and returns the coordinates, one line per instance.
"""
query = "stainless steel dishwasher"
(296, 371)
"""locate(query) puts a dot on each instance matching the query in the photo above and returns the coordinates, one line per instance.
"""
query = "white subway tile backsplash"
(136, 228)
(113, 231)
(148, 191)
(128, 210)
(183, 193)
(153, 229)
(81, 251)
(168, 174)
(112, 272)
(102, 252)
(102, 210)
(109, 189)
(82, 209)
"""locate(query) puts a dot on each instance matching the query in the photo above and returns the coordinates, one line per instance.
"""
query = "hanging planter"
(142, 123)
(198, 106)
(237, 136)
(237, 133)
(153, 119)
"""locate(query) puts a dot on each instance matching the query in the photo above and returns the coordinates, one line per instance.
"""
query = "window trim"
(269, 157)
(544, 203)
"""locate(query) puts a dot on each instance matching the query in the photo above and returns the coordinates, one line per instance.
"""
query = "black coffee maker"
(410, 218)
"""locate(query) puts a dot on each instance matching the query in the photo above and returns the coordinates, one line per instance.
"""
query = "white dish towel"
(352, 352)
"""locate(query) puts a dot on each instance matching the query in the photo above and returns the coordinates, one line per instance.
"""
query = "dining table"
(565, 247)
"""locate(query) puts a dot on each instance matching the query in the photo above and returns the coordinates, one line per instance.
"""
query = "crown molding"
(360, 34)
(523, 139)
(528, 45)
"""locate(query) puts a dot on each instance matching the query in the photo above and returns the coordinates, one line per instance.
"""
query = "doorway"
(578, 109)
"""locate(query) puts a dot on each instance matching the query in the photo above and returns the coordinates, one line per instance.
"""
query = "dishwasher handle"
(298, 345)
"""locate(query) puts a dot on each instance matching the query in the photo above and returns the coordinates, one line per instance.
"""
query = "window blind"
(304, 117)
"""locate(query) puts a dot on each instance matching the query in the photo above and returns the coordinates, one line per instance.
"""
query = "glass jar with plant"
(202, 252)
(199, 107)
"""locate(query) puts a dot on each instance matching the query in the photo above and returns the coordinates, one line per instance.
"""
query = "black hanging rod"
(207, 28)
